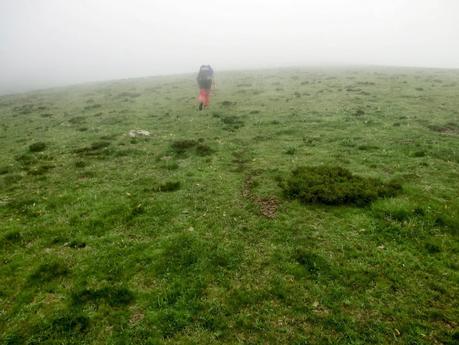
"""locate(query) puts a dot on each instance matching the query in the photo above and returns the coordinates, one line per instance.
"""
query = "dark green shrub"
(333, 185)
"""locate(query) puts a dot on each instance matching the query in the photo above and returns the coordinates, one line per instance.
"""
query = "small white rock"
(138, 133)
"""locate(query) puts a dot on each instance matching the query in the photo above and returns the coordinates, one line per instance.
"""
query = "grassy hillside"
(226, 226)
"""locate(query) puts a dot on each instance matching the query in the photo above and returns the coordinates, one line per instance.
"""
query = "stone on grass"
(134, 133)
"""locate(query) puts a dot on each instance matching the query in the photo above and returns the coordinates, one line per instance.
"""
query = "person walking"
(205, 81)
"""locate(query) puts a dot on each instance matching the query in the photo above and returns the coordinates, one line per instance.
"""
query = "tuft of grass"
(69, 324)
(80, 164)
(170, 165)
(40, 170)
(11, 238)
(5, 170)
(204, 150)
(77, 244)
(112, 296)
(128, 94)
(186, 253)
(367, 147)
(432, 248)
(99, 145)
(77, 120)
(227, 103)
(96, 148)
(11, 179)
(47, 272)
(359, 112)
(232, 122)
(290, 151)
(449, 127)
(37, 147)
(419, 154)
(91, 107)
(334, 185)
(169, 186)
(181, 146)
(315, 265)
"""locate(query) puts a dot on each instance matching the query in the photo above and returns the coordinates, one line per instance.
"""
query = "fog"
(45, 43)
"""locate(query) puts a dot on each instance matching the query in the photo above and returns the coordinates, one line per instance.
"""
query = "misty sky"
(46, 43)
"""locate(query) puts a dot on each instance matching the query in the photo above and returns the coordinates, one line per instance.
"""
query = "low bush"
(334, 185)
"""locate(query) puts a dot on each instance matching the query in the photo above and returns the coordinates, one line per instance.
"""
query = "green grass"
(271, 218)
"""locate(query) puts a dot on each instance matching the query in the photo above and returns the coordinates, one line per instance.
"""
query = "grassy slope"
(93, 250)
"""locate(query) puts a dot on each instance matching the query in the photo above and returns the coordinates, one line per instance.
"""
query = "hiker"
(205, 82)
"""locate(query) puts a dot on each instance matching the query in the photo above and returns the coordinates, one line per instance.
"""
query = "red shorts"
(204, 96)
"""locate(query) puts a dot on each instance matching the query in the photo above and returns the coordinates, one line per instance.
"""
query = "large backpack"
(205, 73)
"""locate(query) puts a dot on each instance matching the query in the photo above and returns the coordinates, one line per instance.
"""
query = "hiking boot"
(200, 106)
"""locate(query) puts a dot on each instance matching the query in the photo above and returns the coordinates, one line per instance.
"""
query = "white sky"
(57, 42)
